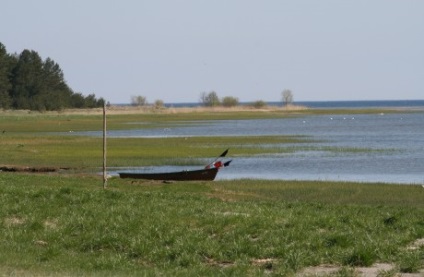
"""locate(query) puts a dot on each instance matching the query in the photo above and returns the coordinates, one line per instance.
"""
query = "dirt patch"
(416, 244)
(261, 262)
(223, 264)
(41, 243)
(13, 221)
(321, 270)
(233, 214)
(378, 269)
(51, 224)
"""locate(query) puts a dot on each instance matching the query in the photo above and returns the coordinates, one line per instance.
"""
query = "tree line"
(211, 99)
(31, 83)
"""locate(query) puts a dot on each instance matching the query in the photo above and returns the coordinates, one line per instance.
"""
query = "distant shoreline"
(316, 104)
(392, 105)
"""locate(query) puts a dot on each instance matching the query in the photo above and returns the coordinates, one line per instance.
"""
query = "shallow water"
(396, 142)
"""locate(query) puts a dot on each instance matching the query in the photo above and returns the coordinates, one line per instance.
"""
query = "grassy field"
(66, 224)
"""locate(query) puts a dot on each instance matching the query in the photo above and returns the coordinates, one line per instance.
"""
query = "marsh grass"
(86, 152)
(67, 225)
(82, 152)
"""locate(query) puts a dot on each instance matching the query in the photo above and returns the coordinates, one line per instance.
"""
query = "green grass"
(83, 152)
(35, 149)
(68, 225)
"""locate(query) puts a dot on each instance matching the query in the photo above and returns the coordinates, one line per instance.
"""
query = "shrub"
(138, 100)
(159, 104)
(259, 104)
(230, 101)
(210, 99)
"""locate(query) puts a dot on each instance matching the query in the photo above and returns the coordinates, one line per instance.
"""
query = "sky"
(175, 50)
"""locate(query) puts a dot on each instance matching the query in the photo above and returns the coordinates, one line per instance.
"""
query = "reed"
(134, 118)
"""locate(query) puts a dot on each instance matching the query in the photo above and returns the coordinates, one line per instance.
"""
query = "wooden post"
(104, 147)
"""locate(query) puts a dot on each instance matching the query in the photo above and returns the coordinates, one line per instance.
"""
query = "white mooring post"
(104, 147)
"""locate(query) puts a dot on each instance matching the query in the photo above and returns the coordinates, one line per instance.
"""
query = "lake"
(366, 148)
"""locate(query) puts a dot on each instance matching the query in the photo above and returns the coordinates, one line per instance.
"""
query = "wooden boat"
(186, 175)
(206, 174)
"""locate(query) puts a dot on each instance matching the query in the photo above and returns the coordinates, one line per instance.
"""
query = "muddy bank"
(14, 168)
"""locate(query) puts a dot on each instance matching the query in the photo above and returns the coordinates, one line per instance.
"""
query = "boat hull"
(187, 175)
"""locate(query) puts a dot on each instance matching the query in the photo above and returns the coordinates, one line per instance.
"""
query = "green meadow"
(66, 224)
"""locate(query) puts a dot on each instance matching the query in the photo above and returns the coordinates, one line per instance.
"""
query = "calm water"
(396, 141)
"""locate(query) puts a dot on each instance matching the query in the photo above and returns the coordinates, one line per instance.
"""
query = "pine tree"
(5, 84)
(28, 82)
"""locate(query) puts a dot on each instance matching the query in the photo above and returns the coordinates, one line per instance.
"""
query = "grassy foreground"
(68, 225)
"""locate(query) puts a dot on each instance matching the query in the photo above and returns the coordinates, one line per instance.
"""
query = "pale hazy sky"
(176, 49)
